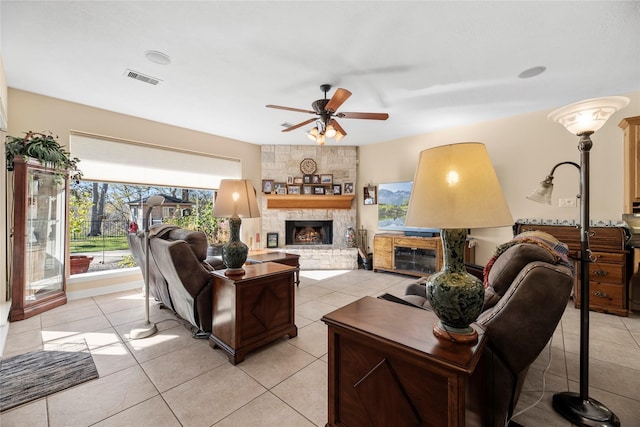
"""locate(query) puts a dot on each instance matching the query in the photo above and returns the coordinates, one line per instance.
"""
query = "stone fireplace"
(282, 161)
(305, 232)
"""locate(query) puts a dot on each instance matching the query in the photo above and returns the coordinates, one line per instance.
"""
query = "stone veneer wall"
(280, 161)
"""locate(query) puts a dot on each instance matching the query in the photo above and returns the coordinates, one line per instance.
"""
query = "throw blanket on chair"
(556, 248)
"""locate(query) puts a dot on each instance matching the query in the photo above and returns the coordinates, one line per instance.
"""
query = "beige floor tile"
(608, 352)
(32, 414)
(314, 310)
(98, 399)
(208, 398)
(136, 314)
(75, 328)
(302, 321)
(306, 392)
(112, 358)
(337, 299)
(194, 359)
(311, 291)
(22, 343)
(312, 339)
(265, 411)
(72, 311)
(161, 343)
(21, 326)
(120, 301)
(274, 363)
(607, 376)
(153, 412)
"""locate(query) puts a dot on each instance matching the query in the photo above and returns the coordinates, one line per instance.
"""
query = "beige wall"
(523, 149)
(30, 111)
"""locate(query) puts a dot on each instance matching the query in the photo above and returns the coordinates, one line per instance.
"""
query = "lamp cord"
(544, 371)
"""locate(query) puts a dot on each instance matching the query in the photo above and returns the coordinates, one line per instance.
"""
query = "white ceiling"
(430, 65)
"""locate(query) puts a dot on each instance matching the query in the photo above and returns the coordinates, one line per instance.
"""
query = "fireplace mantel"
(304, 201)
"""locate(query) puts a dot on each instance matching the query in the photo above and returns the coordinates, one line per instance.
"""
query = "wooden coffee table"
(260, 256)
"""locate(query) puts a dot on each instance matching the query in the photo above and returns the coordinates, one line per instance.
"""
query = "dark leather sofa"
(528, 288)
(179, 272)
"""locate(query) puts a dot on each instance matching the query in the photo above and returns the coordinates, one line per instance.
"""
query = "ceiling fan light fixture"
(339, 136)
(330, 132)
(313, 134)
(320, 139)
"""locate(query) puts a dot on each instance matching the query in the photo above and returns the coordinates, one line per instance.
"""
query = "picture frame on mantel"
(370, 195)
(348, 188)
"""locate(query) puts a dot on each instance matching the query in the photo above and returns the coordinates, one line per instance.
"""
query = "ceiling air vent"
(142, 77)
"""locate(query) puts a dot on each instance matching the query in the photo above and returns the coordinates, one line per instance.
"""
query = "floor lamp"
(582, 119)
(148, 328)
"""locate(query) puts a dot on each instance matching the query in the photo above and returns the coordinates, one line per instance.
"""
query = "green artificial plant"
(45, 148)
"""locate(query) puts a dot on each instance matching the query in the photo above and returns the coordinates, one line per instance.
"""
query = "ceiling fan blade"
(369, 116)
(299, 125)
(337, 127)
(337, 99)
(279, 107)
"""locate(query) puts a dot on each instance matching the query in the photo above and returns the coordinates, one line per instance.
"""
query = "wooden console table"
(253, 309)
(386, 368)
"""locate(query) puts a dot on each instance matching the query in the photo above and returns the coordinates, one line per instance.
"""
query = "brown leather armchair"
(528, 291)
(179, 272)
(158, 288)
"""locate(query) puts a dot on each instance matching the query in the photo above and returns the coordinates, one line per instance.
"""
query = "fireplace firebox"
(309, 232)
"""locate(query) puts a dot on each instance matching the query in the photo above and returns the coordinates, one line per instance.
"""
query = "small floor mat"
(36, 374)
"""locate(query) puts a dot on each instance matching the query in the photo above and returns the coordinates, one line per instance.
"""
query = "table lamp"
(236, 198)
(582, 119)
(455, 188)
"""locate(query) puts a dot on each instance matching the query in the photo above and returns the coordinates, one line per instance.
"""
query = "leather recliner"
(158, 288)
(180, 272)
(527, 290)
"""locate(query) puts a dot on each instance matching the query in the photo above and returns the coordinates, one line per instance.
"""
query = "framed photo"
(294, 189)
(290, 179)
(337, 189)
(272, 240)
(267, 186)
(370, 195)
(318, 190)
(348, 188)
(307, 179)
(280, 188)
(315, 179)
(326, 179)
(298, 180)
(307, 189)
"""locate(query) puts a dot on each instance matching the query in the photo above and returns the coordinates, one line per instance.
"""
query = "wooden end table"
(259, 256)
(386, 368)
(252, 309)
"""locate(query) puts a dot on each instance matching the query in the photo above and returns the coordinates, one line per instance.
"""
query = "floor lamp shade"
(456, 188)
(236, 198)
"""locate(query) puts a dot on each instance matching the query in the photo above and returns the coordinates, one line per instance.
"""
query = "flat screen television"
(393, 202)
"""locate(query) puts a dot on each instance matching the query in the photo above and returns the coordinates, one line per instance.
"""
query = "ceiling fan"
(326, 112)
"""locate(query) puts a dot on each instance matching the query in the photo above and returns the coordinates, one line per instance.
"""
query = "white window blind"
(111, 160)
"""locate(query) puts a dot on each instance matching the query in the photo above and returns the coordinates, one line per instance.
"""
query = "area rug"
(36, 374)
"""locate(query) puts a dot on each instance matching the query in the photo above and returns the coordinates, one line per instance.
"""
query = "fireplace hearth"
(309, 232)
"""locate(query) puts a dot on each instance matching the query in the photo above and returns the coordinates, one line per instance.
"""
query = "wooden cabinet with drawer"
(607, 270)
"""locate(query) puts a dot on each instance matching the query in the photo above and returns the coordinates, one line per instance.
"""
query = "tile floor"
(171, 379)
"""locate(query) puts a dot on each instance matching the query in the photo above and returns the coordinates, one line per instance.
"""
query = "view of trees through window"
(101, 214)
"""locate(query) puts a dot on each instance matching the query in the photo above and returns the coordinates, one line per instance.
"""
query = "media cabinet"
(412, 255)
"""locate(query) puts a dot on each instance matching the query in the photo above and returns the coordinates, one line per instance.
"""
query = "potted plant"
(45, 148)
